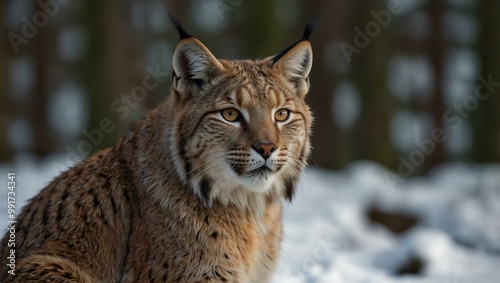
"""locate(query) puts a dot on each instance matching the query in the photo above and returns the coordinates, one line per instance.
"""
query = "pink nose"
(265, 149)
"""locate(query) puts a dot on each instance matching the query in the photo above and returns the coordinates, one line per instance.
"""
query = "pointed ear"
(192, 61)
(296, 63)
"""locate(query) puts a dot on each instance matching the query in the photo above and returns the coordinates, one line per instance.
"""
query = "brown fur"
(176, 200)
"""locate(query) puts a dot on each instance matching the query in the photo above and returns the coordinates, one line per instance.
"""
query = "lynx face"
(241, 127)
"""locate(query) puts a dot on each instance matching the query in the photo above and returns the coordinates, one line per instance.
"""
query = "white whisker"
(214, 158)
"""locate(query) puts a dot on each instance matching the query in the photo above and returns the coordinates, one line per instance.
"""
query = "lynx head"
(241, 128)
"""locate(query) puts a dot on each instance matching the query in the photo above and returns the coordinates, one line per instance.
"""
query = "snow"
(329, 238)
(460, 27)
(410, 76)
(19, 134)
(72, 43)
(345, 105)
(408, 128)
(68, 112)
(460, 76)
(21, 78)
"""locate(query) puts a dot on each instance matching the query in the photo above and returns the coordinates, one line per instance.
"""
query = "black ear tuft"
(311, 23)
(178, 26)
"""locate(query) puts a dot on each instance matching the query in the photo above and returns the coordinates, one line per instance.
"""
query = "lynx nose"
(265, 149)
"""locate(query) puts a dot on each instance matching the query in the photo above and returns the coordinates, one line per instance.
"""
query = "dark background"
(388, 76)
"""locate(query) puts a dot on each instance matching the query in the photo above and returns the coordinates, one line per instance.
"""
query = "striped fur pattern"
(192, 193)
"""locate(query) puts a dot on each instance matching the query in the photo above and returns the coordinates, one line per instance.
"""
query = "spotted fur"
(186, 195)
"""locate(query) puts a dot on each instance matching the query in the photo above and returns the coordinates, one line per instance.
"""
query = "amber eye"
(282, 115)
(230, 114)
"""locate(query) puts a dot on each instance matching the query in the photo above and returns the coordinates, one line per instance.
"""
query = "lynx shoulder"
(192, 193)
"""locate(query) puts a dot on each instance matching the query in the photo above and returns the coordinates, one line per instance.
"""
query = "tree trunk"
(486, 119)
(43, 135)
(437, 51)
(101, 71)
(373, 136)
(331, 146)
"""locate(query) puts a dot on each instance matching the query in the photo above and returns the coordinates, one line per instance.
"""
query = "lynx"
(192, 193)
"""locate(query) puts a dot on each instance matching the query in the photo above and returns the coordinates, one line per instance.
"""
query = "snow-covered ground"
(329, 237)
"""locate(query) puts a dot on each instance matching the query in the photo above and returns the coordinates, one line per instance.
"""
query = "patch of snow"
(346, 105)
(21, 77)
(19, 134)
(461, 69)
(157, 16)
(409, 128)
(68, 112)
(410, 76)
(72, 43)
(457, 238)
(212, 16)
(459, 141)
(460, 27)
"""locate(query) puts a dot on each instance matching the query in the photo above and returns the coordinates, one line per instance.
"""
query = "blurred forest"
(409, 84)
